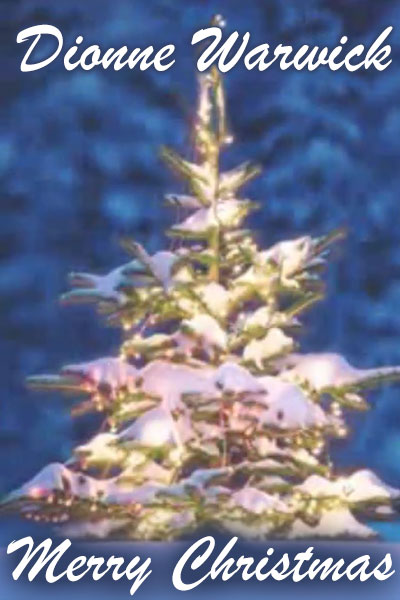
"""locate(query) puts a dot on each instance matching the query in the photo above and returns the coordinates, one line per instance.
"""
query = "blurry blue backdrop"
(79, 167)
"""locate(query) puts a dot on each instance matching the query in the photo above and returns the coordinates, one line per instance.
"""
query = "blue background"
(79, 167)
(159, 585)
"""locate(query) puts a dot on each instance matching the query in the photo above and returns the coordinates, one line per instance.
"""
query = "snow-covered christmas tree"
(212, 418)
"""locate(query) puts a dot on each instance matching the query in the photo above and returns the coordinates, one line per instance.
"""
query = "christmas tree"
(212, 418)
